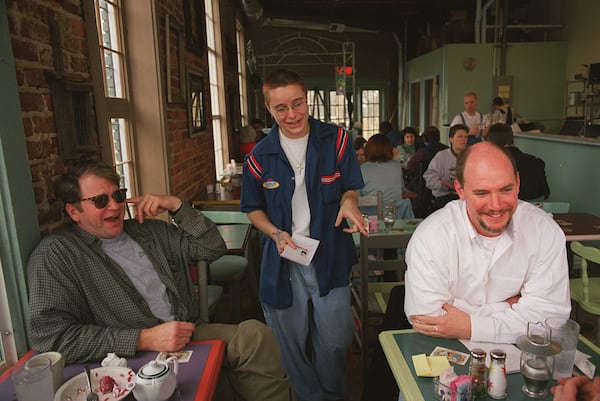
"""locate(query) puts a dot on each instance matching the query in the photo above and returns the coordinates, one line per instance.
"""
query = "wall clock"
(469, 63)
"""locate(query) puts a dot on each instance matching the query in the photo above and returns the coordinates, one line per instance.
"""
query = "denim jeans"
(319, 373)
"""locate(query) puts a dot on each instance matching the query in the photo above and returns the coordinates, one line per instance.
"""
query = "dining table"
(196, 378)
(579, 226)
(400, 345)
(405, 226)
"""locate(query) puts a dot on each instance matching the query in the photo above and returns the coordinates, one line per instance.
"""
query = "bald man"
(486, 264)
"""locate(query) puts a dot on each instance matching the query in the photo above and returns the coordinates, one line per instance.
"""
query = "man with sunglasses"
(104, 284)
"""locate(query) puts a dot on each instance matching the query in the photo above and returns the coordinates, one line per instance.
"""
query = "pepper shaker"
(497, 375)
(477, 372)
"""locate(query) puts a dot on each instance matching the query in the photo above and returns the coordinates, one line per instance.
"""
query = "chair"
(372, 204)
(585, 290)
(554, 207)
(208, 295)
(369, 298)
(231, 270)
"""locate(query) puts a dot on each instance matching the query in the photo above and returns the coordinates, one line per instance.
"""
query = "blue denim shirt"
(268, 185)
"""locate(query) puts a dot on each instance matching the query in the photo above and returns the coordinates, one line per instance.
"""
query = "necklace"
(299, 162)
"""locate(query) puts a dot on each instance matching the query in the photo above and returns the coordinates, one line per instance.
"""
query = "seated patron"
(381, 173)
(407, 148)
(103, 284)
(359, 148)
(485, 265)
(441, 171)
(532, 174)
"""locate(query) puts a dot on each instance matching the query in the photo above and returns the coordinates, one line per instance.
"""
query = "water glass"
(33, 383)
(566, 333)
(389, 217)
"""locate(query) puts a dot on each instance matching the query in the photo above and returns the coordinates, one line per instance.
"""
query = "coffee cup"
(57, 364)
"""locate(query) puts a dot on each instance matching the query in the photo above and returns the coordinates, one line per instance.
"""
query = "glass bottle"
(497, 375)
(477, 372)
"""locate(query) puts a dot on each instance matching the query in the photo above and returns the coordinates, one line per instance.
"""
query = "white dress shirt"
(449, 262)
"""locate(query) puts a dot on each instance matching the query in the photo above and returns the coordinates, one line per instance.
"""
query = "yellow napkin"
(430, 366)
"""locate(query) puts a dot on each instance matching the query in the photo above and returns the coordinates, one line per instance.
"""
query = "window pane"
(110, 43)
(316, 104)
(370, 112)
(337, 108)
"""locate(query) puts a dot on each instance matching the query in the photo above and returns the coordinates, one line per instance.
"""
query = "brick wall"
(191, 160)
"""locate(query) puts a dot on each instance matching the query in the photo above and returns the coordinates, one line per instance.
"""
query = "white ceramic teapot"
(155, 381)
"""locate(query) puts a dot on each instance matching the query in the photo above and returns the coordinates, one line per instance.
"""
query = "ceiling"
(357, 15)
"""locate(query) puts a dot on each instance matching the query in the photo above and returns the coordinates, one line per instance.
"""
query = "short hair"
(461, 161)
(359, 142)
(470, 94)
(385, 127)
(431, 134)
(379, 149)
(500, 134)
(455, 128)
(279, 79)
(410, 130)
(68, 187)
(498, 101)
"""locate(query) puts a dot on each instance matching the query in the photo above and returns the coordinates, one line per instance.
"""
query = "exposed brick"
(31, 101)
(24, 50)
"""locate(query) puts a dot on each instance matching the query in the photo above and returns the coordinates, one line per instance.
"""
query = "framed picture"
(196, 104)
(175, 63)
(194, 25)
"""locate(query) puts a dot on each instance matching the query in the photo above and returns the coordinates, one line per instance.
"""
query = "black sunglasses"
(100, 201)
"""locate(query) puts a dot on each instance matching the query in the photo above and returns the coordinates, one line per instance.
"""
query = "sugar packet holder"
(453, 387)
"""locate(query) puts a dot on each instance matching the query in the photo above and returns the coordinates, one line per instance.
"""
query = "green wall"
(572, 169)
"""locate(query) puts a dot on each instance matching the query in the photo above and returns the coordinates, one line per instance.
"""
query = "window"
(338, 109)
(217, 88)
(316, 104)
(370, 103)
(241, 59)
(114, 119)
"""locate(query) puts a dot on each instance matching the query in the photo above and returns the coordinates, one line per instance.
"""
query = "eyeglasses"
(100, 201)
(284, 108)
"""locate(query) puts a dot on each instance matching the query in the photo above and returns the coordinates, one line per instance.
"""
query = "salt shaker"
(497, 374)
(477, 372)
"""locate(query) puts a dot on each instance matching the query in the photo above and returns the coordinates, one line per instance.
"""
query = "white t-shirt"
(133, 260)
(448, 262)
(470, 121)
(295, 150)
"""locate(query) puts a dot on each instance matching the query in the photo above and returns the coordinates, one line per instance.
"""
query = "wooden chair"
(585, 290)
(370, 298)
(372, 204)
(208, 295)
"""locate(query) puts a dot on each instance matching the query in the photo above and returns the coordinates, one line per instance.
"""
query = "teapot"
(155, 381)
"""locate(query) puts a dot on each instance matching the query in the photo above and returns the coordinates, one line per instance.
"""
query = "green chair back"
(226, 217)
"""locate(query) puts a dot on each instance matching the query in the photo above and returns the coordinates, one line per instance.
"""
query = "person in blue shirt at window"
(302, 180)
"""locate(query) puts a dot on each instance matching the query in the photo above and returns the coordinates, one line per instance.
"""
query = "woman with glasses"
(301, 181)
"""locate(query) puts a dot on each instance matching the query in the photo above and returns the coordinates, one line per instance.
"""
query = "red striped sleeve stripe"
(254, 167)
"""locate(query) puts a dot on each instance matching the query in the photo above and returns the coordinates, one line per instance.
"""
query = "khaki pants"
(252, 363)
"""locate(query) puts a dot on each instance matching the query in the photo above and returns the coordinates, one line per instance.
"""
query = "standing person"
(485, 265)
(507, 113)
(102, 284)
(302, 180)
(441, 171)
(532, 170)
(473, 119)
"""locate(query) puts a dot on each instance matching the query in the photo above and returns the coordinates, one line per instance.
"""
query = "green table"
(407, 226)
(400, 345)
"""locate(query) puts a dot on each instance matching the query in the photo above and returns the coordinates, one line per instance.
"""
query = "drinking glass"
(566, 333)
(389, 217)
(33, 383)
